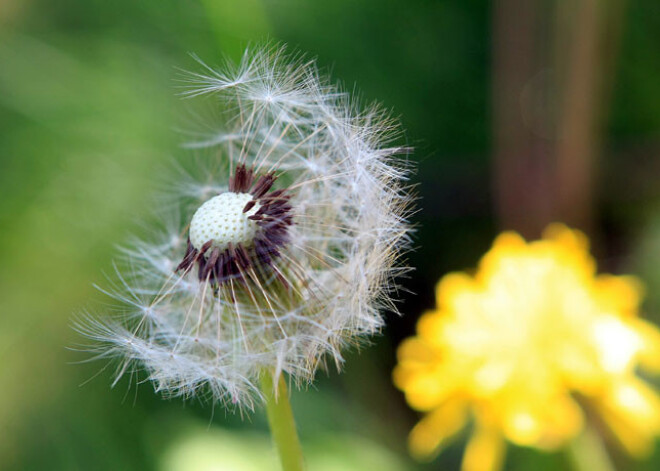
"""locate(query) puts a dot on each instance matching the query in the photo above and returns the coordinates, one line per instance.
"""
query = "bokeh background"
(521, 112)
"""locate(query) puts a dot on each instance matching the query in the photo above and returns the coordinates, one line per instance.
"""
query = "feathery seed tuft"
(295, 237)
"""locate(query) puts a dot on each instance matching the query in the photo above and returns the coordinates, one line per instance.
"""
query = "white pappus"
(290, 241)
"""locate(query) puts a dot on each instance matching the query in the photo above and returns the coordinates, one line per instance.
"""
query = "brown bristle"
(236, 261)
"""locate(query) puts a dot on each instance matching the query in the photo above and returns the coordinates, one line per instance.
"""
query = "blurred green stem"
(587, 452)
(282, 424)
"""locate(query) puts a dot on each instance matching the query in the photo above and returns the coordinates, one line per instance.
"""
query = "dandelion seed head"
(222, 220)
(282, 243)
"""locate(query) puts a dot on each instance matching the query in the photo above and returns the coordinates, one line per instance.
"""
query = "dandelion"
(530, 346)
(293, 224)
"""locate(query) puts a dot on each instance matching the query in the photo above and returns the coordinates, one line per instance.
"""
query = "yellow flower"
(525, 347)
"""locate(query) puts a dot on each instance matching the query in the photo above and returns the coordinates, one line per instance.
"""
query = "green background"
(88, 112)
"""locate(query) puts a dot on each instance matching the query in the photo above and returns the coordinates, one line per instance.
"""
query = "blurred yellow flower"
(526, 346)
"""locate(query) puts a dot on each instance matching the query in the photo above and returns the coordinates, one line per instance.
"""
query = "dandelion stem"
(282, 424)
(587, 452)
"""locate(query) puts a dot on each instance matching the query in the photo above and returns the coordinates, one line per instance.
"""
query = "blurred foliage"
(87, 115)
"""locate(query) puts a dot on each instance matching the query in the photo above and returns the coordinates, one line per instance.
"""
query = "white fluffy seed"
(222, 220)
(346, 189)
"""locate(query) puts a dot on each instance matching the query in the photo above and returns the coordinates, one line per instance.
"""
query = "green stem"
(587, 452)
(282, 425)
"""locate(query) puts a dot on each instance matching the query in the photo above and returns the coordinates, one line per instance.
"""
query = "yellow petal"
(649, 354)
(509, 240)
(485, 449)
(415, 350)
(621, 294)
(430, 328)
(564, 420)
(436, 429)
(421, 375)
(568, 238)
(450, 286)
(506, 245)
(632, 411)
(426, 392)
